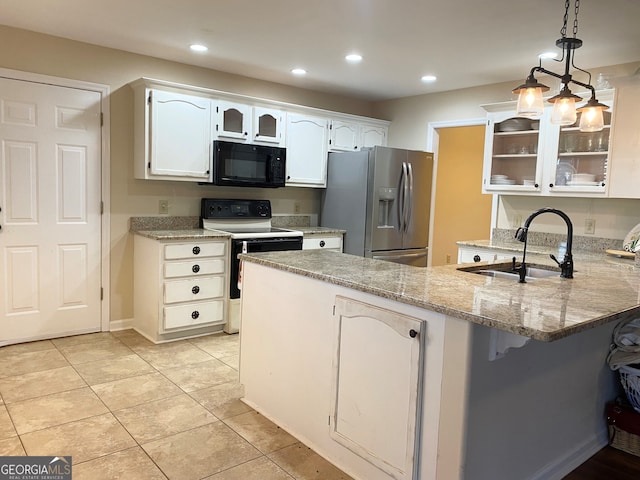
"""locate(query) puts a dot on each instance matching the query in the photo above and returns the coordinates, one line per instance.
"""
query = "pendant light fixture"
(564, 104)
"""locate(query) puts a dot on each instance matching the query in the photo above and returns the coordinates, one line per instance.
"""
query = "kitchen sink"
(505, 270)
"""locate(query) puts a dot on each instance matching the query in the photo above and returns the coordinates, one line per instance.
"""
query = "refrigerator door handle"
(404, 193)
(409, 207)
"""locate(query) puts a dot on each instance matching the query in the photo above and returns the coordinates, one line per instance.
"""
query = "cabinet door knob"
(196, 250)
(413, 333)
(195, 314)
(322, 243)
(476, 258)
(195, 268)
(195, 290)
(536, 185)
(551, 185)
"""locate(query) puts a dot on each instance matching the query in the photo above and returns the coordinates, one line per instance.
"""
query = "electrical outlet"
(589, 226)
(296, 207)
(448, 259)
(163, 207)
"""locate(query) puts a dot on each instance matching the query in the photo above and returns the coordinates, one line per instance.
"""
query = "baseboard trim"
(123, 324)
(574, 458)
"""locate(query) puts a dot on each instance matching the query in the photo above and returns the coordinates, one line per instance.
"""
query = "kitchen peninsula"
(391, 371)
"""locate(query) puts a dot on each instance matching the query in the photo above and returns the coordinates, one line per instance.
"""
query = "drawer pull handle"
(195, 314)
(195, 268)
(196, 250)
(195, 290)
(322, 243)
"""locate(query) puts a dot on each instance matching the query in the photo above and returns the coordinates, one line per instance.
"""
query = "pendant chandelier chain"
(563, 30)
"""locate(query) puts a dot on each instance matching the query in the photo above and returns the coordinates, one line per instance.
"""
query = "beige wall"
(43, 54)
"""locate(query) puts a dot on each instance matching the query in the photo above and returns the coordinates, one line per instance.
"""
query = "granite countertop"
(188, 234)
(603, 289)
(319, 230)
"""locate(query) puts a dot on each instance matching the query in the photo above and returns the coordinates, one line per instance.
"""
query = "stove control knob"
(195, 314)
(196, 250)
(322, 243)
(195, 268)
(195, 290)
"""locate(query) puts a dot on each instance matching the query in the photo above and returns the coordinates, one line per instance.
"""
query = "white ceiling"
(465, 43)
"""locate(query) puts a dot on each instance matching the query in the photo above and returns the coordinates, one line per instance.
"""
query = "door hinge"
(149, 165)
(101, 119)
(149, 99)
(101, 208)
(101, 293)
(329, 420)
(334, 310)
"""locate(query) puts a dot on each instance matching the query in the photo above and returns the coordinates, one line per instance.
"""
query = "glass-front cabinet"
(512, 154)
(581, 159)
(525, 156)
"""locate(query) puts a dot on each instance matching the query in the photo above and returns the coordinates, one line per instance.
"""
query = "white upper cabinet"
(239, 122)
(307, 142)
(172, 136)
(372, 135)
(268, 126)
(351, 135)
(533, 157)
(233, 121)
(625, 140)
(175, 126)
(345, 136)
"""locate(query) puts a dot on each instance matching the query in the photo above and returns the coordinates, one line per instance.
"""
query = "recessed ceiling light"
(299, 71)
(353, 58)
(198, 48)
(429, 78)
(548, 55)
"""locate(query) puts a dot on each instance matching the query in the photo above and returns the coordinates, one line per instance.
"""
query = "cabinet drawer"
(334, 243)
(192, 289)
(193, 250)
(193, 314)
(209, 266)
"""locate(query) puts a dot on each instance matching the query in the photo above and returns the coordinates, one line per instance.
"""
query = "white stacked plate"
(501, 180)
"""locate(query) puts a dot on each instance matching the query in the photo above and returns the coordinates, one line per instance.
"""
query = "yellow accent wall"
(462, 212)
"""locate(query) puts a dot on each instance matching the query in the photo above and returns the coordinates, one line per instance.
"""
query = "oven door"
(239, 164)
(255, 245)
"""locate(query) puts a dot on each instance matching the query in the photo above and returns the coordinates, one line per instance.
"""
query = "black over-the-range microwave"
(248, 165)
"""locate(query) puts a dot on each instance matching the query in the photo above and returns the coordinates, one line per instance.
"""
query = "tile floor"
(125, 408)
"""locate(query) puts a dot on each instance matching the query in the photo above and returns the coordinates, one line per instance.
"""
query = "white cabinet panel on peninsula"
(172, 136)
(179, 287)
(307, 148)
(533, 157)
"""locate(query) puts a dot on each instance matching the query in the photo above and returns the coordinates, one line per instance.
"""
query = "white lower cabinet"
(180, 287)
(325, 242)
(477, 254)
(378, 428)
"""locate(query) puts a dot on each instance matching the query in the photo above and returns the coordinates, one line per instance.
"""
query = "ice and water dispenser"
(386, 200)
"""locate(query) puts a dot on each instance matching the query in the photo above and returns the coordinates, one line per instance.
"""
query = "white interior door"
(50, 193)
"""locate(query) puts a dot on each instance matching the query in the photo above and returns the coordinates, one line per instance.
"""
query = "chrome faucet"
(566, 266)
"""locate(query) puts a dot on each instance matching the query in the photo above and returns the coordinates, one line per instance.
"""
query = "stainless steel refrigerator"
(382, 197)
